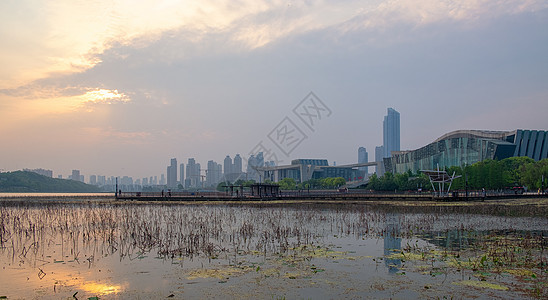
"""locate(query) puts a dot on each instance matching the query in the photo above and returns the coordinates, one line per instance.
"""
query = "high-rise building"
(214, 173)
(228, 165)
(93, 180)
(391, 132)
(237, 167)
(182, 174)
(192, 173)
(254, 162)
(363, 158)
(379, 154)
(75, 175)
(126, 181)
(162, 179)
(172, 174)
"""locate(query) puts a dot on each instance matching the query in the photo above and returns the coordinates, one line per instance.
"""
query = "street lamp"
(542, 185)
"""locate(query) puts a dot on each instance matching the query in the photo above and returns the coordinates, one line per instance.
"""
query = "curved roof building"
(466, 147)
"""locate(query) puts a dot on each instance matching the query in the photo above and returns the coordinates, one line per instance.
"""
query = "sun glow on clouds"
(71, 35)
(19, 110)
(104, 96)
(86, 101)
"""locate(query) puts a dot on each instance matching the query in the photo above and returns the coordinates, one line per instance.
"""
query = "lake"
(111, 250)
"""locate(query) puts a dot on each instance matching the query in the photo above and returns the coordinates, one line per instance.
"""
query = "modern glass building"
(363, 158)
(466, 147)
(391, 132)
(305, 169)
(172, 174)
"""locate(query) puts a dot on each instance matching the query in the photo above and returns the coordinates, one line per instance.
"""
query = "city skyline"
(111, 87)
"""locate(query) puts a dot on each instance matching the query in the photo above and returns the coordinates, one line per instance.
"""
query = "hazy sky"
(120, 87)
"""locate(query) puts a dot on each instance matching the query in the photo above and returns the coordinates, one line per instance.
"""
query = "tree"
(533, 172)
(287, 184)
(388, 183)
(221, 187)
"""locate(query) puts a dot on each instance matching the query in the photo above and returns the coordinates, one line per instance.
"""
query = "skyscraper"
(237, 167)
(75, 175)
(379, 154)
(93, 180)
(182, 174)
(254, 162)
(193, 173)
(391, 132)
(363, 158)
(172, 174)
(162, 179)
(228, 165)
(214, 173)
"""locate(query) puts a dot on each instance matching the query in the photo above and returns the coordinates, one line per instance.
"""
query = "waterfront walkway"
(322, 195)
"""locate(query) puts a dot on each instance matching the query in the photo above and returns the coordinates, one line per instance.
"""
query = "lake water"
(78, 250)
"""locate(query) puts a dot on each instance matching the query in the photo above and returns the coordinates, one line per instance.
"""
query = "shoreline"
(538, 206)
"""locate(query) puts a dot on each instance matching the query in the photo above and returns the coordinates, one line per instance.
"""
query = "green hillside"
(29, 182)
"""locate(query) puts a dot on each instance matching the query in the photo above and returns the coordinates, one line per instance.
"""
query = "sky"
(120, 87)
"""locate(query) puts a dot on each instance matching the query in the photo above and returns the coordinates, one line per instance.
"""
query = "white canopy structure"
(441, 178)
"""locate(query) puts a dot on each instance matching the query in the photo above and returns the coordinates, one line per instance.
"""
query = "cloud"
(420, 13)
(124, 137)
(70, 36)
(215, 79)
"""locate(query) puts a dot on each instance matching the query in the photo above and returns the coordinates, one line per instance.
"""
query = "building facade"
(363, 158)
(75, 175)
(391, 132)
(182, 174)
(237, 167)
(172, 174)
(227, 165)
(193, 170)
(379, 156)
(214, 173)
(466, 147)
(254, 162)
(305, 169)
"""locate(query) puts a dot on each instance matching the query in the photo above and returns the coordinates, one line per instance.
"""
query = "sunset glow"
(104, 96)
(170, 75)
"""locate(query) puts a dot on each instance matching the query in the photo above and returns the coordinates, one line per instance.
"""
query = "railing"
(322, 194)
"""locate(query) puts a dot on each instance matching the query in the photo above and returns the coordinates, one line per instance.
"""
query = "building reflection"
(392, 242)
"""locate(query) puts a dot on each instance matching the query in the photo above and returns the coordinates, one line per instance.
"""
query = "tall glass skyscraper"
(362, 158)
(172, 174)
(391, 132)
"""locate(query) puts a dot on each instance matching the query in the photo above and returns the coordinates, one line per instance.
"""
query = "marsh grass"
(484, 241)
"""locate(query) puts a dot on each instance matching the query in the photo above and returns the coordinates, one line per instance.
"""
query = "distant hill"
(29, 182)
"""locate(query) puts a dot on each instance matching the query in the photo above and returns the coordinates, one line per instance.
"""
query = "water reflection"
(98, 288)
(154, 245)
(392, 242)
(459, 240)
